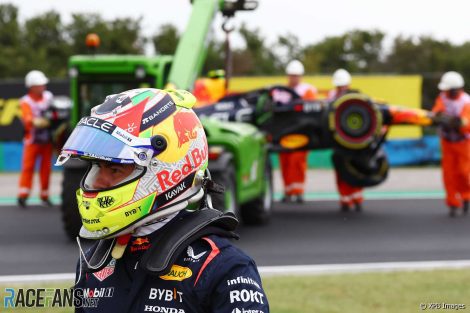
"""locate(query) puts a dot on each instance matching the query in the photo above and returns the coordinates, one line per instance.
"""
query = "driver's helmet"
(152, 145)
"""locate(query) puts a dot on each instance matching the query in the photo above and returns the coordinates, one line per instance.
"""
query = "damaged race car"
(353, 126)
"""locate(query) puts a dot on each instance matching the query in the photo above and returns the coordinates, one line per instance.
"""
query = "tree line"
(45, 42)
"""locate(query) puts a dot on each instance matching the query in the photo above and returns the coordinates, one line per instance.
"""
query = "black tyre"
(226, 202)
(258, 211)
(362, 170)
(69, 208)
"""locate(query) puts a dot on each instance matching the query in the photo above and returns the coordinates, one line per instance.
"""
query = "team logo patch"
(193, 257)
(107, 271)
(178, 273)
(186, 125)
(157, 113)
(140, 244)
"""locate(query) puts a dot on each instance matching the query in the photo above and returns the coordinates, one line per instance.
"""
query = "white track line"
(361, 267)
(37, 278)
(265, 271)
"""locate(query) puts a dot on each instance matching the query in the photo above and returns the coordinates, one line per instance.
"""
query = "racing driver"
(160, 246)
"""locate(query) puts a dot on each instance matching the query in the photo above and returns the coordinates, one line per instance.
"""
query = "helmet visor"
(99, 139)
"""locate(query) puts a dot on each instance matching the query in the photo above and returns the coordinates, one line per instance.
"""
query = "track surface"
(32, 240)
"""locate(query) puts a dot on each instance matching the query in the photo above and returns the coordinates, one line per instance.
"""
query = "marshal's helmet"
(35, 78)
(152, 145)
(295, 67)
(451, 80)
(341, 78)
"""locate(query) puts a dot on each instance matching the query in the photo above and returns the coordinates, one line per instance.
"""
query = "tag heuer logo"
(105, 202)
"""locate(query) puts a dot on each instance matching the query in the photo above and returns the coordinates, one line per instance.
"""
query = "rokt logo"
(245, 295)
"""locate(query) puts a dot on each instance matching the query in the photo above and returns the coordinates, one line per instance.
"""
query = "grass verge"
(371, 292)
(440, 290)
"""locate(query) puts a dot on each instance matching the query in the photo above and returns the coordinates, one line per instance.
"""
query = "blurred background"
(396, 53)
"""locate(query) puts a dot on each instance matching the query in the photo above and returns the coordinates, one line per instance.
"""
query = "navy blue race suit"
(210, 275)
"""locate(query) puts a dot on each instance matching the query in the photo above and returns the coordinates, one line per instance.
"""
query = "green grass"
(351, 293)
(371, 292)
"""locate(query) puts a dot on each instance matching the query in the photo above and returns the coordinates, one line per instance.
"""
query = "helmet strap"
(211, 186)
(120, 246)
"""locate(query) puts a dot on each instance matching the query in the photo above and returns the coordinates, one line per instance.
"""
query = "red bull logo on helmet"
(185, 124)
(193, 160)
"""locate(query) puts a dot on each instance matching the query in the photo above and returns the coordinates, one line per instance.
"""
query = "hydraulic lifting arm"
(192, 47)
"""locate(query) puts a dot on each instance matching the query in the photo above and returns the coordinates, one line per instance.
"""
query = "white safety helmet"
(295, 67)
(35, 78)
(341, 77)
(451, 80)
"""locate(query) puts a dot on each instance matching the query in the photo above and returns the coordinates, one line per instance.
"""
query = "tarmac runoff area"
(402, 183)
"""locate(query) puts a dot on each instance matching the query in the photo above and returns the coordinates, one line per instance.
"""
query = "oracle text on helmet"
(97, 123)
